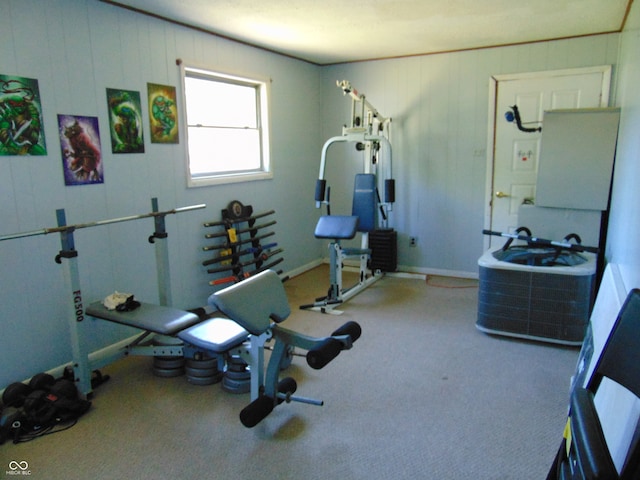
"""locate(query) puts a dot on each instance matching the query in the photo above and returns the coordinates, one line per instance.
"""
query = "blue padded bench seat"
(336, 227)
(154, 318)
(217, 334)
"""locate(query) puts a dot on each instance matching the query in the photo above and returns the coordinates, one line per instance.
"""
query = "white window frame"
(262, 86)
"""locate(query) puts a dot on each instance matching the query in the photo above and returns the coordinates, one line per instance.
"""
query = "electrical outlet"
(413, 241)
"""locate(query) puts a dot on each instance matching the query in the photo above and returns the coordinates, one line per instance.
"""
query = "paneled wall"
(76, 49)
(624, 228)
(440, 108)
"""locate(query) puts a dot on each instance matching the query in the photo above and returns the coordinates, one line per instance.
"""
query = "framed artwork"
(21, 128)
(81, 151)
(125, 121)
(163, 113)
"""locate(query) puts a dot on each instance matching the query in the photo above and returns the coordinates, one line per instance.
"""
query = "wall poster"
(125, 121)
(163, 113)
(21, 129)
(81, 152)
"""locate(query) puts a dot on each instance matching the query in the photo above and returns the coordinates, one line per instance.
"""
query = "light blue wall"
(78, 48)
(440, 108)
(624, 227)
(618, 412)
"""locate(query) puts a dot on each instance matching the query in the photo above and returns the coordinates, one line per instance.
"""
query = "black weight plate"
(168, 362)
(168, 372)
(205, 380)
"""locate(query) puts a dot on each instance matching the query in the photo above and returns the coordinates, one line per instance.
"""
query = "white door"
(515, 160)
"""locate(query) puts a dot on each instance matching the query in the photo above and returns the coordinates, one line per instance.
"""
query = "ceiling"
(333, 31)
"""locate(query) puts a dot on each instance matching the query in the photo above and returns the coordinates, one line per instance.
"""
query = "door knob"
(500, 194)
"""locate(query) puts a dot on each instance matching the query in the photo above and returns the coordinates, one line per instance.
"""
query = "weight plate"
(207, 363)
(233, 386)
(245, 375)
(15, 394)
(41, 381)
(236, 365)
(168, 362)
(200, 372)
(168, 372)
(205, 380)
(235, 209)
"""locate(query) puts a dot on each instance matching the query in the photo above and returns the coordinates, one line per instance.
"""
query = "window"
(227, 128)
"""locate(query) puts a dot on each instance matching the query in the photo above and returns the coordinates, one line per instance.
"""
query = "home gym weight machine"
(369, 130)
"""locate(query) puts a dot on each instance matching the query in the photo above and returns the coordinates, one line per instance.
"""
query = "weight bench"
(217, 336)
(255, 307)
(259, 304)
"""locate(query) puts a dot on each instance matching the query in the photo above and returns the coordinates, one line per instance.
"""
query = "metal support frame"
(252, 352)
(75, 308)
(370, 129)
(366, 109)
(83, 364)
(284, 339)
(337, 293)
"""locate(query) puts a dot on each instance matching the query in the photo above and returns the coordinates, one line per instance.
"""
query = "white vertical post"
(256, 353)
(75, 308)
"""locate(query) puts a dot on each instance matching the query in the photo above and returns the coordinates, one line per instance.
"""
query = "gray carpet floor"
(422, 395)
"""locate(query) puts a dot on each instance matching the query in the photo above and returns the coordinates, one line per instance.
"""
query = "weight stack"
(383, 243)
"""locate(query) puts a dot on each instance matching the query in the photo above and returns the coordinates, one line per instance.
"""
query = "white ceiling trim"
(334, 31)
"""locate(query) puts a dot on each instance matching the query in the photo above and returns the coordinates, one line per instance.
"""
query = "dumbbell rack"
(244, 245)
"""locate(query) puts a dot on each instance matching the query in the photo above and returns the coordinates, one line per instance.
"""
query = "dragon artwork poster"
(163, 113)
(21, 128)
(81, 151)
(125, 121)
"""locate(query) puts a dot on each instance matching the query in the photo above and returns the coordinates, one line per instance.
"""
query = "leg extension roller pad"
(262, 406)
(351, 328)
(256, 411)
(324, 353)
(329, 349)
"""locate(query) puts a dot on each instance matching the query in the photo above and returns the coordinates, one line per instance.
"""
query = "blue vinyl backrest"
(365, 201)
(255, 302)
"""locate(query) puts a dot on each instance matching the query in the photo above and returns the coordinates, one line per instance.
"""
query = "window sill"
(225, 179)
